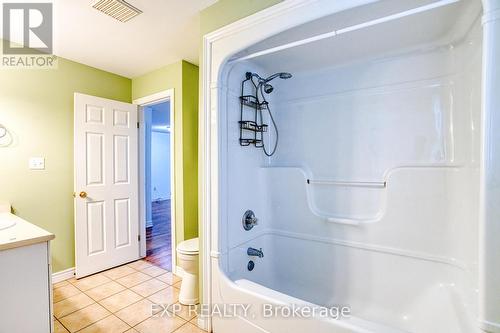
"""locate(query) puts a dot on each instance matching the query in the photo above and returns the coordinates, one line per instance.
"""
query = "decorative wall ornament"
(5, 136)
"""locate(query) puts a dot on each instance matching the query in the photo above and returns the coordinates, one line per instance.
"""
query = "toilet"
(187, 256)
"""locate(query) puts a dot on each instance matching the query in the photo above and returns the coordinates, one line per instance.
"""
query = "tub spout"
(254, 252)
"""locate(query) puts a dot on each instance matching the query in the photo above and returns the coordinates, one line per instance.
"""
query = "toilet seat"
(190, 247)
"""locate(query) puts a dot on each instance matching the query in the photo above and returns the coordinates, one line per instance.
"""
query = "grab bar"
(347, 184)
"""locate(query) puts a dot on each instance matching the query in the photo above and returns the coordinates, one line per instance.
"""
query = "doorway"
(156, 183)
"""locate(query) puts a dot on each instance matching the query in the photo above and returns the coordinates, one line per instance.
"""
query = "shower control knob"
(249, 220)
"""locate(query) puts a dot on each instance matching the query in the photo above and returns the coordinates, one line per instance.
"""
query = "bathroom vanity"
(25, 278)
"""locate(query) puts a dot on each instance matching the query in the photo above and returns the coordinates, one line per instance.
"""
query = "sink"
(6, 221)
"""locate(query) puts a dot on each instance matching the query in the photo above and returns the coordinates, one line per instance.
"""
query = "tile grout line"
(70, 313)
(132, 285)
(177, 329)
(160, 317)
(111, 314)
(86, 306)
(67, 329)
(81, 329)
(69, 280)
(102, 273)
(142, 298)
(94, 301)
(72, 281)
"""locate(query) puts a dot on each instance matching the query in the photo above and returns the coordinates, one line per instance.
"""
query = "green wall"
(225, 12)
(161, 79)
(190, 93)
(183, 78)
(37, 107)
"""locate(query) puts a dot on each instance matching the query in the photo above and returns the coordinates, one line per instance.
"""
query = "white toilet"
(187, 255)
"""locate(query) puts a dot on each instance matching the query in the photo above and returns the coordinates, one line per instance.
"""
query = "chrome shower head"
(269, 88)
(283, 76)
(263, 83)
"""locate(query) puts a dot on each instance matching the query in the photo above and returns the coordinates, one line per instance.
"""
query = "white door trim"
(141, 102)
(218, 47)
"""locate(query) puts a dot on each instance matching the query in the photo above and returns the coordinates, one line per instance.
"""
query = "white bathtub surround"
(187, 254)
(489, 288)
(372, 199)
(26, 273)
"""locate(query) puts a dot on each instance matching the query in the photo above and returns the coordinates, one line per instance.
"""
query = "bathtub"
(375, 198)
(378, 302)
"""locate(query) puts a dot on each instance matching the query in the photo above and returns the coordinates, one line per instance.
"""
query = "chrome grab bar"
(347, 184)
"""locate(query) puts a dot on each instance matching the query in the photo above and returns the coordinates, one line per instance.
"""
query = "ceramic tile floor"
(119, 300)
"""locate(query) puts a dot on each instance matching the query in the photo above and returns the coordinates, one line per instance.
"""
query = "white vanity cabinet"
(25, 278)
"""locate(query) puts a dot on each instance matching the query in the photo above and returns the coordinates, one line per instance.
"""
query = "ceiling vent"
(117, 9)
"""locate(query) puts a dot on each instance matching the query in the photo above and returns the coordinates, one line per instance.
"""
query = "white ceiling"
(167, 31)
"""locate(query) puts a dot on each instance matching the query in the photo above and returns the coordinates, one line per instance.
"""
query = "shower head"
(283, 76)
(268, 88)
(263, 83)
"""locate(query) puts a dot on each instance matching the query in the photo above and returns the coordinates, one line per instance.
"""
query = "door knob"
(83, 194)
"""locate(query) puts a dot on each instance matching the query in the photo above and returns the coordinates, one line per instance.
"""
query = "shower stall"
(382, 194)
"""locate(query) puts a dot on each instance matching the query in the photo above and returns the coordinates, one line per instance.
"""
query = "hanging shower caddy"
(252, 127)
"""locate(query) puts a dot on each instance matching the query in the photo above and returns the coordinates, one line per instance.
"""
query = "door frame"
(162, 96)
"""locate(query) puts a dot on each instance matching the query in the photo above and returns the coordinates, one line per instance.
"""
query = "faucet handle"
(249, 220)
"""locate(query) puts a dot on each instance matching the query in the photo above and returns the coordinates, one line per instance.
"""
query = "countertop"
(22, 233)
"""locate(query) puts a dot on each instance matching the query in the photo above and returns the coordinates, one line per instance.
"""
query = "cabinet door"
(25, 290)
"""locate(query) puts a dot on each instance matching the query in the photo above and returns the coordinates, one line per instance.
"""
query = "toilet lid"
(189, 246)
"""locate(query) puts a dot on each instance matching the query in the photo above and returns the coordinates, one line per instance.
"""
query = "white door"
(106, 184)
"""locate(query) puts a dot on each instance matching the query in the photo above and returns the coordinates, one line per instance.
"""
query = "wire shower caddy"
(251, 130)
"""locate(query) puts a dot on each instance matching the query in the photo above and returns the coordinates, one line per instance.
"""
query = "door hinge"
(138, 124)
(138, 238)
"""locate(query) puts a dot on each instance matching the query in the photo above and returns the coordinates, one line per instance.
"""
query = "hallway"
(159, 237)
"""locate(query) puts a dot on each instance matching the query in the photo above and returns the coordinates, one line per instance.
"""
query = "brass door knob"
(83, 194)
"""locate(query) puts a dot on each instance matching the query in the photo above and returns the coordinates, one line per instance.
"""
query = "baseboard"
(63, 275)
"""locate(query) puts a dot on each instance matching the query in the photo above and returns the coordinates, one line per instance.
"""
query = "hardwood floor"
(159, 237)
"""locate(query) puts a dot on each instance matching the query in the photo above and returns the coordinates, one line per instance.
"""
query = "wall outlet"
(37, 163)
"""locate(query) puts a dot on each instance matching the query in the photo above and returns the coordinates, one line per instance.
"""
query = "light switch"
(37, 163)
